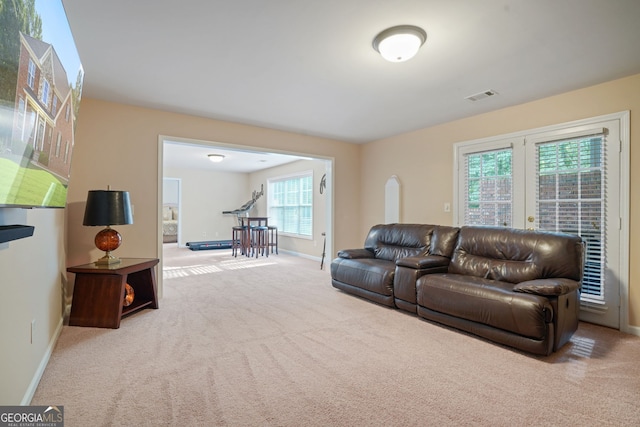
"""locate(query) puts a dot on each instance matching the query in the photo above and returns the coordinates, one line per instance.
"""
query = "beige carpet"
(269, 342)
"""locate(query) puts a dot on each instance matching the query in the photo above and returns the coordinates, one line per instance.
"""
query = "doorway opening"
(207, 189)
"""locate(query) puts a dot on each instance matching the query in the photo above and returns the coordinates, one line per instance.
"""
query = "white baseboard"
(633, 330)
(31, 390)
(301, 255)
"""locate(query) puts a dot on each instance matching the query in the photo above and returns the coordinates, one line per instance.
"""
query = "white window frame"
(45, 92)
(31, 74)
(270, 203)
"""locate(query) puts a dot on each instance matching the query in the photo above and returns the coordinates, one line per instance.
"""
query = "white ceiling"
(308, 66)
(177, 154)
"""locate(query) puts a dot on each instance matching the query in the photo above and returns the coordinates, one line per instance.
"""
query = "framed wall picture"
(40, 90)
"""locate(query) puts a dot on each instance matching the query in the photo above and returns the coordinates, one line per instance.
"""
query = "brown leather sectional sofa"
(515, 287)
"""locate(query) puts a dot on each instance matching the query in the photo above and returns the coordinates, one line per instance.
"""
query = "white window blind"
(571, 198)
(291, 204)
(489, 188)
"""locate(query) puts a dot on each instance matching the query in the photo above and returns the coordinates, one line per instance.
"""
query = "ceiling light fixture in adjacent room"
(482, 95)
(401, 43)
(216, 158)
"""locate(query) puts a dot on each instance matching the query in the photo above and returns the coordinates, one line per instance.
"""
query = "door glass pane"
(489, 188)
(570, 198)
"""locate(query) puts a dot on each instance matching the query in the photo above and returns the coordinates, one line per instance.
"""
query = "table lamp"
(107, 207)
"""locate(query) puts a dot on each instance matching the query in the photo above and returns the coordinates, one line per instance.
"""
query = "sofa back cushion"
(394, 241)
(443, 240)
(513, 255)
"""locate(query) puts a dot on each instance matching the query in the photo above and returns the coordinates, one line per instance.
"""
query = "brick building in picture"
(44, 113)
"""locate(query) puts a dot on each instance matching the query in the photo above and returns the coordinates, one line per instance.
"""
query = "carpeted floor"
(269, 342)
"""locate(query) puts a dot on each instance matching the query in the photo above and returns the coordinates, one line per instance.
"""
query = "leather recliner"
(516, 287)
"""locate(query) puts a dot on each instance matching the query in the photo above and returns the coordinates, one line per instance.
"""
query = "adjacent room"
(320, 213)
(203, 199)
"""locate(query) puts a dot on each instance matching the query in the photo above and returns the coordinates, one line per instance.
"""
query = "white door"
(572, 185)
(561, 178)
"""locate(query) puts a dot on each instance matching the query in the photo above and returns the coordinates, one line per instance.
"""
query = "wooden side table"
(98, 294)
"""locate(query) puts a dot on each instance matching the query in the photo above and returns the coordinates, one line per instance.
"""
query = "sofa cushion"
(443, 240)
(393, 241)
(485, 301)
(515, 256)
(423, 262)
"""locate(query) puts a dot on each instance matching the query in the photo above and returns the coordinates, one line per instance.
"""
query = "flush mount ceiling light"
(398, 44)
(216, 158)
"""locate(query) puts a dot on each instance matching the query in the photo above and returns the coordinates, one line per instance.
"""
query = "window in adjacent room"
(290, 204)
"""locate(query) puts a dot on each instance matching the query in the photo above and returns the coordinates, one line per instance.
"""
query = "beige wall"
(31, 272)
(205, 194)
(425, 163)
(117, 145)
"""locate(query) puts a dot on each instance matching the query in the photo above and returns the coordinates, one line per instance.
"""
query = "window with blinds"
(489, 188)
(571, 198)
(291, 204)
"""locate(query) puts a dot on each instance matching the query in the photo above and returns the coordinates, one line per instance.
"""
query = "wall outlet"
(447, 207)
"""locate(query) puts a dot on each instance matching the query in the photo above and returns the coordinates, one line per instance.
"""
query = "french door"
(564, 178)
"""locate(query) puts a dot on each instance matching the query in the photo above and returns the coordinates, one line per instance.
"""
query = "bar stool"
(237, 240)
(273, 238)
(259, 240)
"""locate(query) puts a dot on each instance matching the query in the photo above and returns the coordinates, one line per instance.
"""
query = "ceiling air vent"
(482, 95)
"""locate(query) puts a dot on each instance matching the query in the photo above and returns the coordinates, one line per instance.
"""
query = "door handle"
(531, 219)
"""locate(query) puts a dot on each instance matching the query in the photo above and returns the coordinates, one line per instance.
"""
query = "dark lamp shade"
(107, 207)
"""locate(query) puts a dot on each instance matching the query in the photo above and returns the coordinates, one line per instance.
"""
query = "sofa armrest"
(547, 287)
(423, 262)
(355, 253)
